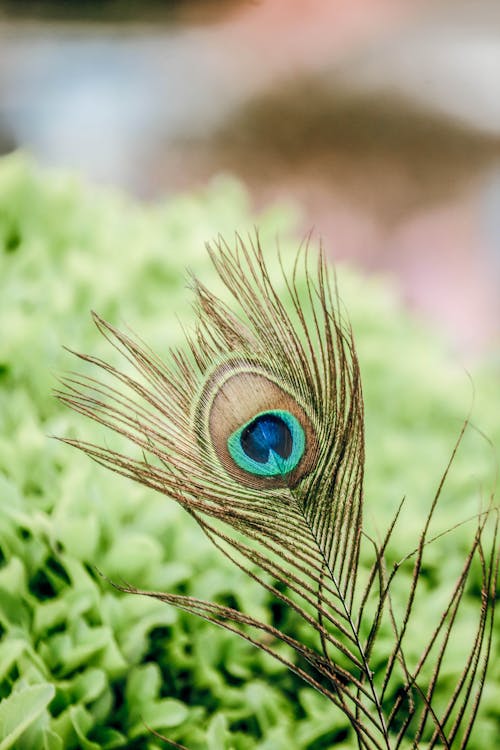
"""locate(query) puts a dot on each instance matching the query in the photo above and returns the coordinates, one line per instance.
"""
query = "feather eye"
(259, 431)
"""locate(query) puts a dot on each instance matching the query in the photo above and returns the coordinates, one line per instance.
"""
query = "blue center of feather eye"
(265, 434)
(270, 444)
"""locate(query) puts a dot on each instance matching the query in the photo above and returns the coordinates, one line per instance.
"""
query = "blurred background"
(378, 119)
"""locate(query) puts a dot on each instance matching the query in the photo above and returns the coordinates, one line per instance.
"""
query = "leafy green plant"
(91, 666)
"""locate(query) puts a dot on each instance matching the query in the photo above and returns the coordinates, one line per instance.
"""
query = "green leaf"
(89, 685)
(20, 709)
(10, 651)
(217, 734)
(160, 715)
(143, 685)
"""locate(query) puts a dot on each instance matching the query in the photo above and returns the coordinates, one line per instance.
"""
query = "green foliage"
(82, 665)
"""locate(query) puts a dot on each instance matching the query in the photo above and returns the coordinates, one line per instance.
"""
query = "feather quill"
(256, 429)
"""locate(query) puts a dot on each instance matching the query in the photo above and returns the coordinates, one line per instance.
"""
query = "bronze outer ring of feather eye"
(234, 394)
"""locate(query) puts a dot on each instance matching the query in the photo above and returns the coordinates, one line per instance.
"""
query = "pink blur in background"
(379, 119)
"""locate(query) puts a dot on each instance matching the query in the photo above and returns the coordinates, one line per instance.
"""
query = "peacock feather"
(256, 429)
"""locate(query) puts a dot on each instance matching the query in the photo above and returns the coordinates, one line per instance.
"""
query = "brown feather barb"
(257, 431)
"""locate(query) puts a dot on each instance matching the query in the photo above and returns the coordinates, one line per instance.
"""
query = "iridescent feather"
(257, 431)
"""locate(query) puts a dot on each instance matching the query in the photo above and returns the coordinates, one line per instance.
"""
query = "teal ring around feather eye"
(276, 464)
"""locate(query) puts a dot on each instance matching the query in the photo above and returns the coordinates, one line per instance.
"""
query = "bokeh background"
(373, 123)
(379, 119)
